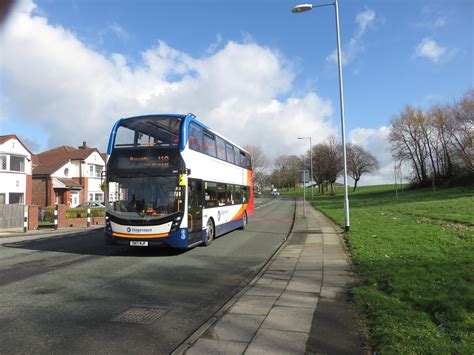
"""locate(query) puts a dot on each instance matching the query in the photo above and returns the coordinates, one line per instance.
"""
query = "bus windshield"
(150, 197)
(153, 131)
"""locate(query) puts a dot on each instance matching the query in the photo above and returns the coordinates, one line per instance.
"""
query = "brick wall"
(29, 187)
(62, 220)
(32, 218)
(39, 191)
(82, 222)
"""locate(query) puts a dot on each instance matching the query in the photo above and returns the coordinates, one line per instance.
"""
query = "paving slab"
(289, 318)
(270, 341)
(216, 347)
(298, 299)
(235, 327)
(302, 285)
(255, 305)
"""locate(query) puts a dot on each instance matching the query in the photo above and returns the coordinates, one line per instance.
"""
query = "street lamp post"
(304, 8)
(311, 164)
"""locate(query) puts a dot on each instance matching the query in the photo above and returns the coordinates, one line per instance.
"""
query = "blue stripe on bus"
(112, 136)
(227, 227)
(185, 129)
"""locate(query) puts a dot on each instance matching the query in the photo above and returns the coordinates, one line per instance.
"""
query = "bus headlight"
(107, 223)
(176, 223)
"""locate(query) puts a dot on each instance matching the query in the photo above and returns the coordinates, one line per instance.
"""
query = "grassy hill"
(415, 261)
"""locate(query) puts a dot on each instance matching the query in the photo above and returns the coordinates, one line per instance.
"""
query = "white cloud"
(429, 49)
(376, 142)
(59, 83)
(364, 20)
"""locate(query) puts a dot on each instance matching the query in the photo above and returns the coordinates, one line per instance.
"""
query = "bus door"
(195, 204)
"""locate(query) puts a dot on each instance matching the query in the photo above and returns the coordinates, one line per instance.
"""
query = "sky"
(250, 69)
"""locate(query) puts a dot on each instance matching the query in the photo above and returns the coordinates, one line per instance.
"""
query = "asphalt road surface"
(72, 294)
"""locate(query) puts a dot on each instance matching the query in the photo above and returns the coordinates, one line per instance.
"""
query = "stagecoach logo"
(138, 230)
(218, 215)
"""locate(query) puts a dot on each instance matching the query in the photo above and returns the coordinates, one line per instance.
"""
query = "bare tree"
(259, 165)
(406, 136)
(286, 171)
(359, 161)
(463, 130)
(437, 143)
(327, 163)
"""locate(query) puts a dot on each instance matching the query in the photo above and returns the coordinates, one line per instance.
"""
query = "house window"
(17, 163)
(98, 197)
(2, 199)
(56, 198)
(66, 172)
(98, 170)
(91, 170)
(91, 197)
(15, 198)
(3, 162)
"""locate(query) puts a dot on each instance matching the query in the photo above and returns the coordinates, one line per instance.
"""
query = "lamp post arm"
(323, 5)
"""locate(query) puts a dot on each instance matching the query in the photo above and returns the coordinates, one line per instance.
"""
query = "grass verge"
(415, 261)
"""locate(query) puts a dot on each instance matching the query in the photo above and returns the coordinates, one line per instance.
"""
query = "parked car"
(91, 204)
(275, 192)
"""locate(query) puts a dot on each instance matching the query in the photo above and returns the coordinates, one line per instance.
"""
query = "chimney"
(83, 146)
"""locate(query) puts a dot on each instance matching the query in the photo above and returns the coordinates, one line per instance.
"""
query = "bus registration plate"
(138, 243)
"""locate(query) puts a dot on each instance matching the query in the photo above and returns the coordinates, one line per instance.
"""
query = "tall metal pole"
(304, 191)
(341, 96)
(311, 177)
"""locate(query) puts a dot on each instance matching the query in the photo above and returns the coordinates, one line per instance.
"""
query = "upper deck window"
(220, 148)
(230, 153)
(153, 131)
(210, 144)
(204, 141)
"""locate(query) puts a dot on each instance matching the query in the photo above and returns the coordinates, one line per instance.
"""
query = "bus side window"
(221, 194)
(236, 156)
(230, 195)
(220, 148)
(238, 195)
(242, 159)
(196, 139)
(210, 194)
(230, 153)
(209, 144)
(245, 194)
(248, 162)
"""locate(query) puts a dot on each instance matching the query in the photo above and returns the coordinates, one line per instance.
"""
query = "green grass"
(415, 262)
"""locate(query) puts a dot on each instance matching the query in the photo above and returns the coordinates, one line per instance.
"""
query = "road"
(73, 294)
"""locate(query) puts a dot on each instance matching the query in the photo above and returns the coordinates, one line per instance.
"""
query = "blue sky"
(395, 53)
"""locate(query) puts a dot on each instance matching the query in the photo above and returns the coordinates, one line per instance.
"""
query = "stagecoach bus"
(173, 181)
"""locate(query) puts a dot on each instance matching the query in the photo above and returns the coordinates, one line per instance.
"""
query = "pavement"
(19, 236)
(296, 305)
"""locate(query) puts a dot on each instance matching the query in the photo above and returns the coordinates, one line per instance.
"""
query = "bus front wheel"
(210, 233)
(244, 220)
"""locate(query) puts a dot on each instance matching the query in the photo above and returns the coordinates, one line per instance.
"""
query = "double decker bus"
(173, 181)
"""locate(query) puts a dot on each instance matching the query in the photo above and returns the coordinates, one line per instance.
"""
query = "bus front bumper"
(177, 239)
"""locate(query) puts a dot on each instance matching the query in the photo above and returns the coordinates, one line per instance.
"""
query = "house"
(15, 171)
(68, 175)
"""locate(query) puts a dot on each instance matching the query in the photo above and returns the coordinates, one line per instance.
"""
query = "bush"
(49, 214)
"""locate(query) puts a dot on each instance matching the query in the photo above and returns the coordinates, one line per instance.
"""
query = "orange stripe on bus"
(240, 213)
(162, 235)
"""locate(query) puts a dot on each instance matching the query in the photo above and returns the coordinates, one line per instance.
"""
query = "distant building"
(68, 175)
(15, 171)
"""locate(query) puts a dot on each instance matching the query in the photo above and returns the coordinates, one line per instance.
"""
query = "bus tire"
(210, 232)
(244, 220)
